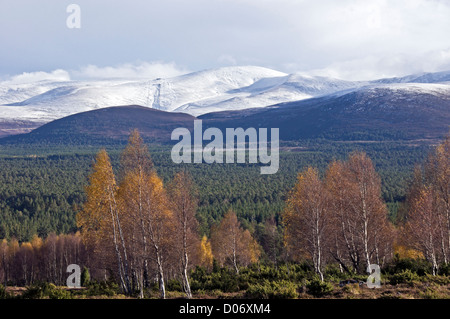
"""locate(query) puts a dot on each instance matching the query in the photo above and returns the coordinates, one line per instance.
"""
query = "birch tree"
(205, 254)
(158, 225)
(366, 205)
(4, 260)
(233, 245)
(427, 226)
(423, 227)
(343, 238)
(183, 203)
(306, 219)
(100, 220)
(437, 177)
(136, 167)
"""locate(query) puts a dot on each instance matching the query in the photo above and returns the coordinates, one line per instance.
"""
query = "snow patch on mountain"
(229, 88)
(197, 93)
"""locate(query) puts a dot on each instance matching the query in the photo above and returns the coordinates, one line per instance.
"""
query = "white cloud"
(376, 67)
(368, 39)
(142, 70)
(128, 71)
(226, 59)
(28, 77)
(338, 37)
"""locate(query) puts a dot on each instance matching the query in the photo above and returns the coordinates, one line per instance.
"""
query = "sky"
(346, 39)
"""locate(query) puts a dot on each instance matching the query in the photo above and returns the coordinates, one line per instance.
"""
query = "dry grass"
(417, 290)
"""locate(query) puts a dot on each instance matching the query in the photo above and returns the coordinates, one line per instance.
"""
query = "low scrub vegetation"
(259, 281)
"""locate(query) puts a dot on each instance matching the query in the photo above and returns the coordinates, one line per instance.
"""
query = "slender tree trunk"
(234, 254)
(363, 194)
(187, 286)
(447, 215)
(144, 237)
(432, 254)
(448, 231)
(140, 283)
(5, 269)
(435, 265)
(185, 262)
(366, 245)
(118, 255)
(318, 250)
(162, 288)
(319, 264)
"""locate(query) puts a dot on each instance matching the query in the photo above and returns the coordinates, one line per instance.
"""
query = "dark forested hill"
(113, 123)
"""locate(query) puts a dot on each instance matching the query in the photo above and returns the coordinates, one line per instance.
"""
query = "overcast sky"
(348, 39)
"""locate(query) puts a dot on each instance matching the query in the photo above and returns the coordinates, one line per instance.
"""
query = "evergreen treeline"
(40, 194)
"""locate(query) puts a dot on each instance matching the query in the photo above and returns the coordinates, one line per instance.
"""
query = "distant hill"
(107, 124)
(401, 111)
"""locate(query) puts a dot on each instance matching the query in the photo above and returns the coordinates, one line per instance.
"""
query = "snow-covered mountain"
(198, 93)
(229, 88)
(436, 77)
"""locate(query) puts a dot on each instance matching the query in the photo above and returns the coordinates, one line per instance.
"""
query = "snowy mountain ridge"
(229, 88)
(197, 93)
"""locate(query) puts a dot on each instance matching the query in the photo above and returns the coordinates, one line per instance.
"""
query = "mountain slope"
(26, 106)
(66, 98)
(403, 111)
(435, 77)
(106, 124)
(386, 112)
(229, 88)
